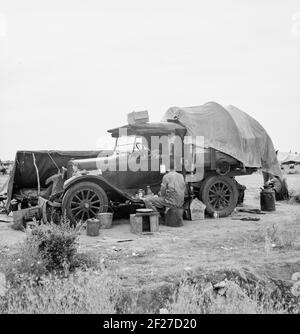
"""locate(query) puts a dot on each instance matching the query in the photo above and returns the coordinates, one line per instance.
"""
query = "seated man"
(171, 192)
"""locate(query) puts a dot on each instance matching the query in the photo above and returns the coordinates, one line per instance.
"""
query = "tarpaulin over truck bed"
(48, 162)
(230, 131)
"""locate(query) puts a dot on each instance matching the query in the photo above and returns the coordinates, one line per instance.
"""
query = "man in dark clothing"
(171, 192)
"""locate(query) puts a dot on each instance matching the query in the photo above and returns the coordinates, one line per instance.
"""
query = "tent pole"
(37, 174)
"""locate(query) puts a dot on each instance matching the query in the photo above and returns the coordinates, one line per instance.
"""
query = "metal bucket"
(105, 219)
(92, 227)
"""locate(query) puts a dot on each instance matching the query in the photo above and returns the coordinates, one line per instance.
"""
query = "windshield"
(125, 144)
(129, 144)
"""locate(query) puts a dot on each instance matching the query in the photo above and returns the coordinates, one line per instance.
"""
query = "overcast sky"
(70, 70)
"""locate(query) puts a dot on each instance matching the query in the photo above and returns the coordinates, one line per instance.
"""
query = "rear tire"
(83, 201)
(219, 194)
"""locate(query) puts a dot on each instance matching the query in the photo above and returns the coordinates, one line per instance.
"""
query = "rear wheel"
(83, 201)
(219, 194)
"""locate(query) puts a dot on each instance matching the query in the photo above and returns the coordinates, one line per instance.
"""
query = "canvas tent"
(48, 163)
(291, 158)
(281, 156)
(230, 131)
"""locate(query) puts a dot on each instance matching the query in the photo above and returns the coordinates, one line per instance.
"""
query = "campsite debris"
(227, 249)
(296, 276)
(126, 240)
(3, 198)
(247, 219)
(216, 215)
(20, 217)
(195, 210)
(31, 224)
(114, 248)
(295, 290)
(187, 268)
(4, 221)
(255, 211)
(228, 291)
(220, 284)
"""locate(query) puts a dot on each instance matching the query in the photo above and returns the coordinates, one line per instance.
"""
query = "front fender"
(102, 182)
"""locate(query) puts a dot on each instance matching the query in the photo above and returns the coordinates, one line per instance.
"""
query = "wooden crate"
(138, 117)
(21, 216)
(27, 214)
(144, 222)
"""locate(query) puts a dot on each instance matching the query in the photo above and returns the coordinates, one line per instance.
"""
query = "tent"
(291, 158)
(48, 163)
(230, 131)
(281, 156)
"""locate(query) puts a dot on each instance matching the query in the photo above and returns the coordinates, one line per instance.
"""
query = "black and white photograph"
(149, 160)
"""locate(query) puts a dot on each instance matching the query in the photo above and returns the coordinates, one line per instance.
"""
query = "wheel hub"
(85, 204)
(219, 195)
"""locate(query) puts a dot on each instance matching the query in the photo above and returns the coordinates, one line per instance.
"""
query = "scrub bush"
(48, 249)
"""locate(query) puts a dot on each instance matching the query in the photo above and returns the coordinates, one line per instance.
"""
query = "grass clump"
(190, 298)
(82, 292)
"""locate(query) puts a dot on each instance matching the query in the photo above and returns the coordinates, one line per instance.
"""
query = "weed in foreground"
(82, 292)
(199, 299)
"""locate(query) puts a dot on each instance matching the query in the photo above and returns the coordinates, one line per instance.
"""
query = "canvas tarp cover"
(230, 131)
(48, 162)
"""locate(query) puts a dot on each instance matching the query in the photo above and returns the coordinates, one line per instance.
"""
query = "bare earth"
(150, 260)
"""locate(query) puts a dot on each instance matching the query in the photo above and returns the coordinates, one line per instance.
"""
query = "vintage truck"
(234, 144)
(92, 191)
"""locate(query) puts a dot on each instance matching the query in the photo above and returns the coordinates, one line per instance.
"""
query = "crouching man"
(171, 192)
(278, 184)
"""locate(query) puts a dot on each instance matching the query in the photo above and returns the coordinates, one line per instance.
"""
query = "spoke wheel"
(83, 201)
(219, 194)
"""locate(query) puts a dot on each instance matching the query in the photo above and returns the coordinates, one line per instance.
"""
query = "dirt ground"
(157, 258)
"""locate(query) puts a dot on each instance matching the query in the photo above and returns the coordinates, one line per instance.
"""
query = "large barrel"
(267, 199)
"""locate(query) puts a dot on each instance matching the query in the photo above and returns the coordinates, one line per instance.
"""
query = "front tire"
(219, 194)
(83, 201)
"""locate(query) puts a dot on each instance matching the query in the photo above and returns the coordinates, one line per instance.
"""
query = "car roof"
(159, 128)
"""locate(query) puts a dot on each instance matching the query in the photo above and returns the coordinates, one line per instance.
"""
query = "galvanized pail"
(105, 219)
